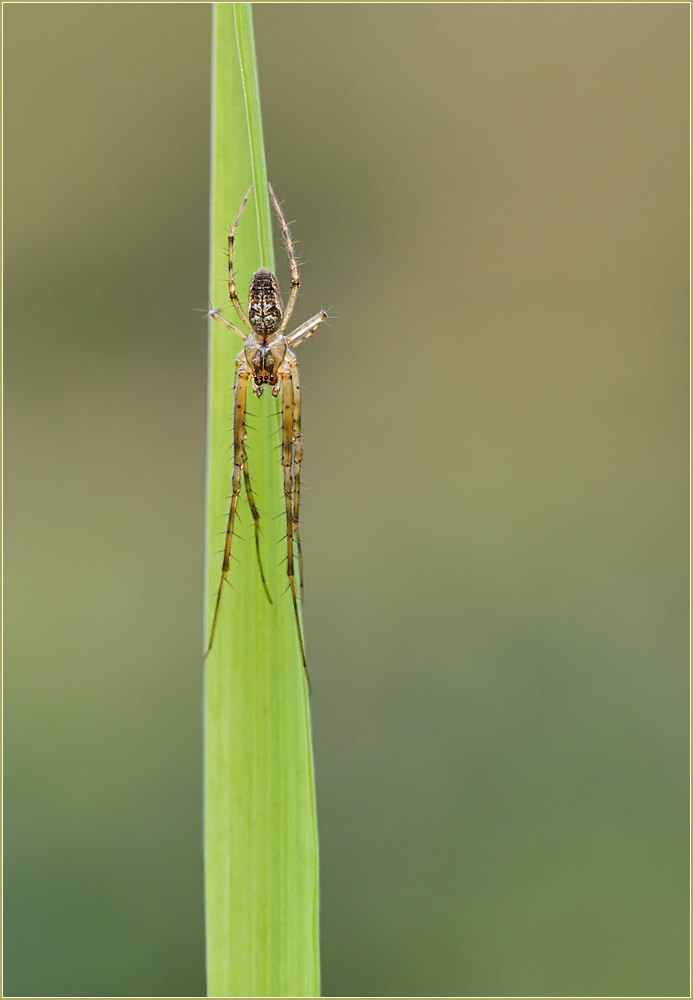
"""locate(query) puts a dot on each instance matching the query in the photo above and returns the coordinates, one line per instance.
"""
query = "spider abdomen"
(264, 303)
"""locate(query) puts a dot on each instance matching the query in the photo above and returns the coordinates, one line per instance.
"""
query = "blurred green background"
(491, 202)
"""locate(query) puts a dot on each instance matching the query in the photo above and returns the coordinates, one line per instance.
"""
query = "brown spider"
(267, 358)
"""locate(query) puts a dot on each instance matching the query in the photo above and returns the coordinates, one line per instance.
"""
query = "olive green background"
(491, 200)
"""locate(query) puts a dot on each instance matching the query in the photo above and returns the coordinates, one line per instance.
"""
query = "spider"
(267, 359)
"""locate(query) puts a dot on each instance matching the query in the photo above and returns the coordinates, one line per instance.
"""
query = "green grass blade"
(261, 866)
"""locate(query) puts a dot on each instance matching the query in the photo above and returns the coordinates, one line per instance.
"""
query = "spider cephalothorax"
(264, 303)
(267, 359)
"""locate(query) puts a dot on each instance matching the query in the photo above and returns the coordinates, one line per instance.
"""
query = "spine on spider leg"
(261, 860)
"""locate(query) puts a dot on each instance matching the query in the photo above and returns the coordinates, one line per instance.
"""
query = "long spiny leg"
(291, 251)
(287, 463)
(256, 518)
(225, 322)
(233, 294)
(239, 401)
(306, 329)
(298, 457)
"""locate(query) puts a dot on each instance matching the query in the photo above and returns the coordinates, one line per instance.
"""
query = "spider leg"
(233, 294)
(306, 329)
(224, 322)
(291, 251)
(256, 518)
(239, 460)
(297, 456)
(287, 463)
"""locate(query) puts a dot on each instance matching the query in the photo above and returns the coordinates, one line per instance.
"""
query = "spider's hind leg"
(233, 294)
(291, 251)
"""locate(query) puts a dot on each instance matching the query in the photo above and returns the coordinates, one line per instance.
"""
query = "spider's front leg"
(256, 521)
(298, 458)
(239, 460)
(288, 464)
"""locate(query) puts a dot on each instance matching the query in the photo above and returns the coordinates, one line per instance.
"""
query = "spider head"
(264, 303)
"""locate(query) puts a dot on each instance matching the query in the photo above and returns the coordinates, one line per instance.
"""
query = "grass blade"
(261, 856)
